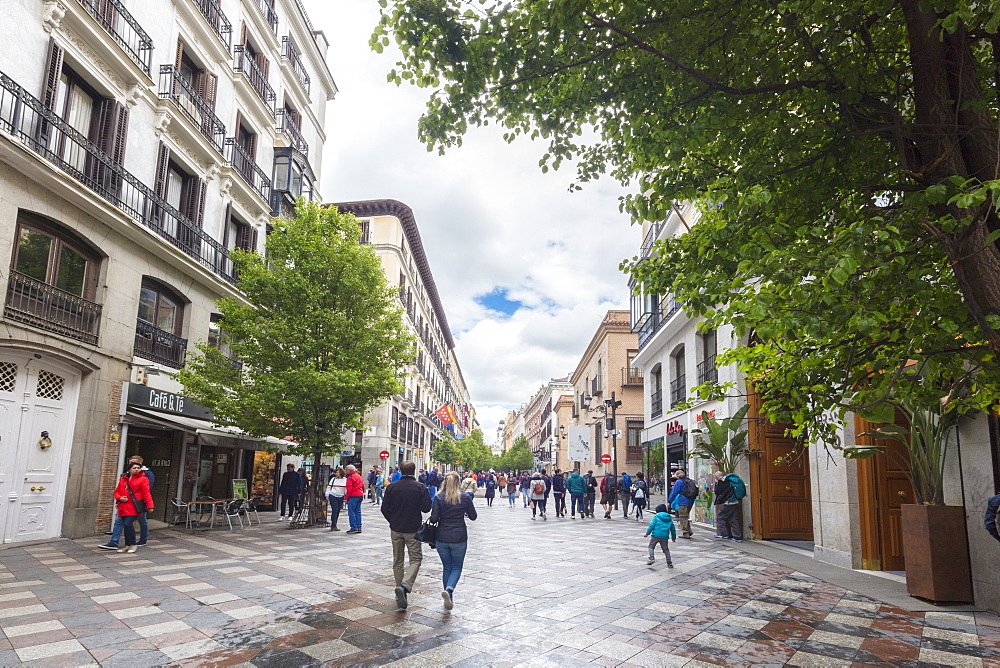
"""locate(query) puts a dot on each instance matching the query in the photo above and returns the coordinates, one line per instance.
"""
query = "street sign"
(384, 454)
(606, 459)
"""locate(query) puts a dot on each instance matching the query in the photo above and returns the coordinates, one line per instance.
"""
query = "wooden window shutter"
(208, 84)
(251, 147)
(264, 64)
(225, 225)
(243, 35)
(243, 236)
(199, 211)
(53, 69)
(296, 118)
(179, 57)
(120, 139)
(162, 164)
(252, 245)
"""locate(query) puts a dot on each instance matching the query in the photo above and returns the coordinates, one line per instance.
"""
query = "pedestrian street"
(534, 592)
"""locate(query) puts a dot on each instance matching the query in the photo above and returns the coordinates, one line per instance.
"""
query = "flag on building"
(443, 414)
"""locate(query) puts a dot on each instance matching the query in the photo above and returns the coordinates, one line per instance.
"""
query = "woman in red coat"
(135, 481)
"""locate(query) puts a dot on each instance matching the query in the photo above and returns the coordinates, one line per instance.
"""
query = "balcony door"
(38, 402)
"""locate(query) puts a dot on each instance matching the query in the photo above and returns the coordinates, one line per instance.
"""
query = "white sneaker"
(281, 519)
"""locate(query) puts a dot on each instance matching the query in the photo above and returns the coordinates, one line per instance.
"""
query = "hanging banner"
(578, 444)
(443, 415)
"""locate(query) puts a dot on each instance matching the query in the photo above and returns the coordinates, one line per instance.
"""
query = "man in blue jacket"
(684, 503)
(559, 492)
(577, 487)
(625, 492)
(990, 521)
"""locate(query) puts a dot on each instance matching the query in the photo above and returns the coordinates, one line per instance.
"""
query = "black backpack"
(690, 489)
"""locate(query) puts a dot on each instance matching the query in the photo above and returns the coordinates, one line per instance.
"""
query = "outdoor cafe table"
(214, 503)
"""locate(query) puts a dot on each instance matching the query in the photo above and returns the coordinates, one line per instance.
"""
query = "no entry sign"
(606, 459)
(384, 454)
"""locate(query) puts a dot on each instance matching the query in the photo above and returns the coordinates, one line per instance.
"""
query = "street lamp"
(610, 423)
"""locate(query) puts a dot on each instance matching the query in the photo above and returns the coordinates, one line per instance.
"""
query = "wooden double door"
(780, 489)
(883, 487)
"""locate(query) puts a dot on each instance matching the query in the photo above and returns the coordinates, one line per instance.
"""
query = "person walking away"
(336, 489)
(525, 483)
(491, 490)
(591, 496)
(661, 528)
(290, 488)
(403, 506)
(559, 492)
(433, 479)
(379, 486)
(577, 488)
(449, 511)
(640, 495)
(537, 496)
(372, 474)
(682, 497)
(133, 499)
(727, 507)
(469, 484)
(625, 492)
(512, 485)
(548, 487)
(609, 492)
(355, 496)
(990, 520)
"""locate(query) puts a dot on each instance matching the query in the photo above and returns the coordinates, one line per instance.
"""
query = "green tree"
(519, 457)
(318, 332)
(445, 451)
(845, 154)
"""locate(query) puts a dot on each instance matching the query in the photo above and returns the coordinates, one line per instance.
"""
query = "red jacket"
(355, 486)
(140, 490)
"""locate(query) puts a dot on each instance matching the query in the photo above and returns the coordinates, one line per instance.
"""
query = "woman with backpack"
(640, 495)
(451, 507)
(538, 491)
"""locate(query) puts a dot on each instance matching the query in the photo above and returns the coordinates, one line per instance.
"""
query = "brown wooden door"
(780, 490)
(882, 488)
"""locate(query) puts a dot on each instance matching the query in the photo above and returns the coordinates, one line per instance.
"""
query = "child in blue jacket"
(661, 528)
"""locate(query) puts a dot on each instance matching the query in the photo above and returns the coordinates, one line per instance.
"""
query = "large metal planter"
(936, 550)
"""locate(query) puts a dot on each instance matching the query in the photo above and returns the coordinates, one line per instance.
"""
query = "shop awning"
(209, 433)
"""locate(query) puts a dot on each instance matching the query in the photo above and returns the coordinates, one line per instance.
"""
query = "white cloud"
(488, 217)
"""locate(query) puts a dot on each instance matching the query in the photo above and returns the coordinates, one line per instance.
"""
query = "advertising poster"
(240, 488)
(578, 444)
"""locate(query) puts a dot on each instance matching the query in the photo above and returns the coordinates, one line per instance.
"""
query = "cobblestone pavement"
(535, 593)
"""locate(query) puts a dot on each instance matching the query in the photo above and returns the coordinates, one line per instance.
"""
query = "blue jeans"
(576, 501)
(452, 559)
(379, 491)
(128, 523)
(525, 493)
(511, 496)
(116, 530)
(336, 504)
(433, 491)
(354, 511)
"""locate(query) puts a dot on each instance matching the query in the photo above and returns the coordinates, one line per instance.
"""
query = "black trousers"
(560, 503)
(728, 520)
(291, 500)
(588, 504)
(538, 507)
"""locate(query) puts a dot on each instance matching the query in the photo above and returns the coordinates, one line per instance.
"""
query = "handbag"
(427, 533)
(140, 504)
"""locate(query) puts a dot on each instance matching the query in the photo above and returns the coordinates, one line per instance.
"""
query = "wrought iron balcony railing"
(656, 404)
(631, 376)
(160, 346)
(707, 373)
(251, 70)
(267, 9)
(216, 19)
(173, 86)
(43, 132)
(288, 125)
(678, 391)
(124, 29)
(46, 307)
(295, 60)
(246, 167)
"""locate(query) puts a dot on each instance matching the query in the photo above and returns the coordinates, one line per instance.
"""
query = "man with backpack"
(682, 497)
(729, 491)
(539, 490)
(609, 490)
(625, 492)
(992, 515)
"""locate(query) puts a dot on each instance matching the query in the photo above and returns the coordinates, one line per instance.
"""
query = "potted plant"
(722, 441)
(935, 542)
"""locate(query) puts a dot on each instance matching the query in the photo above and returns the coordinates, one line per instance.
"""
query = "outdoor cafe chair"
(251, 507)
(233, 509)
(181, 507)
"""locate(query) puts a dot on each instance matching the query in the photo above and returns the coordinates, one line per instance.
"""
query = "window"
(185, 193)
(200, 80)
(598, 442)
(633, 431)
(394, 423)
(45, 256)
(160, 308)
(238, 234)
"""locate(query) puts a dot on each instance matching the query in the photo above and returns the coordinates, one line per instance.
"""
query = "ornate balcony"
(27, 120)
(656, 404)
(267, 9)
(158, 345)
(631, 376)
(288, 125)
(175, 87)
(707, 373)
(46, 307)
(216, 19)
(295, 60)
(124, 30)
(247, 168)
(258, 80)
(678, 391)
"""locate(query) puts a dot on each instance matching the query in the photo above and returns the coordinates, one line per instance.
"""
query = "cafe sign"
(148, 398)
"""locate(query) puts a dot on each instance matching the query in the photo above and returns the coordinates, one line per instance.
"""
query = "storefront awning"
(209, 433)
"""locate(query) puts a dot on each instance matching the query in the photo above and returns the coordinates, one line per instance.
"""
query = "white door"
(38, 400)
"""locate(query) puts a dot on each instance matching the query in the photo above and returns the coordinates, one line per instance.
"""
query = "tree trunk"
(952, 136)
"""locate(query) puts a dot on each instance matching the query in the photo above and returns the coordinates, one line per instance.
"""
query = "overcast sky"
(525, 269)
